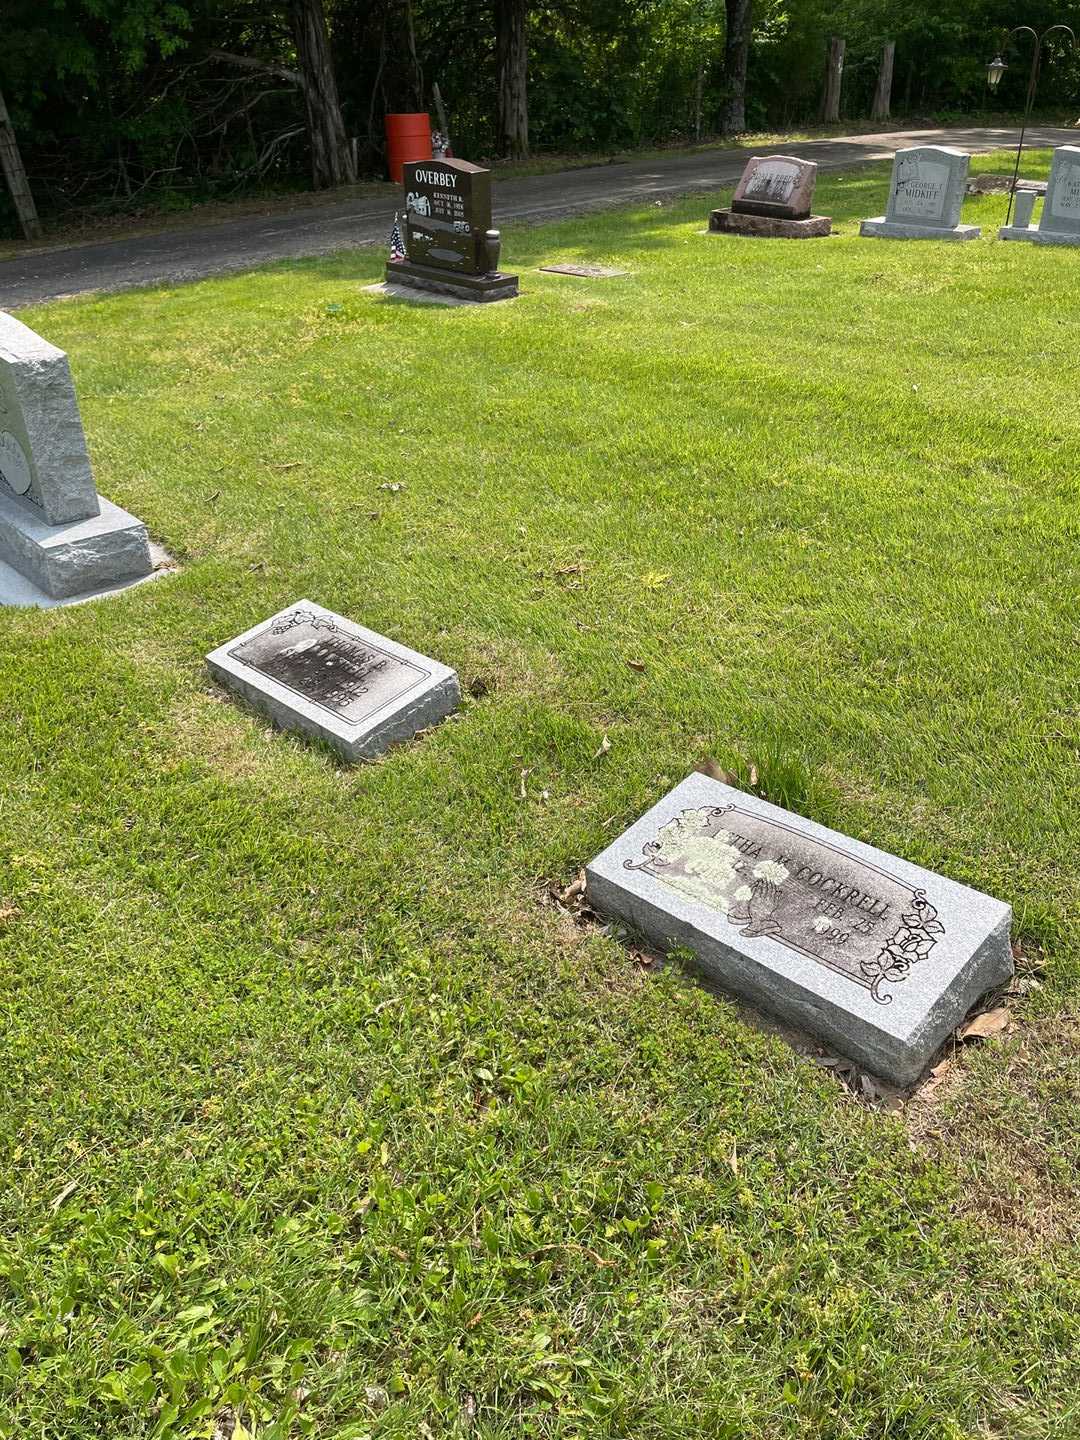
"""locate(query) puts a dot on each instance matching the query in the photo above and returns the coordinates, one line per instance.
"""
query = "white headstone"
(1061, 208)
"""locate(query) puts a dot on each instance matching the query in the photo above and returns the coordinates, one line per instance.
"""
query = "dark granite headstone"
(777, 185)
(449, 241)
(447, 213)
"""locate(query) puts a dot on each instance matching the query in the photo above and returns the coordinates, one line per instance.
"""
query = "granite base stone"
(64, 561)
(1017, 232)
(477, 288)
(412, 296)
(768, 227)
(316, 672)
(1054, 237)
(895, 230)
(19, 592)
(876, 957)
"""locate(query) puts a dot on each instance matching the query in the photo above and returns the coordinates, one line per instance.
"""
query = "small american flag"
(397, 241)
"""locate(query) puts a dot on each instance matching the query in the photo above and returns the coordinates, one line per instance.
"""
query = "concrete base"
(1017, 232)
(768, 227)
(69, 561)
(476, 288)
(1036, 236)
(892, 230)
(18, 592)
(414, 296)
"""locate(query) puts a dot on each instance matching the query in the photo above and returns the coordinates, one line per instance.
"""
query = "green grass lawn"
(313, 1113)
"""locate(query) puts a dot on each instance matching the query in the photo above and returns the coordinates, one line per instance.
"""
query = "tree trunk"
(736, 58)
(512, 74)
(15, 175)
(332, 160)
(883, 93)
(834, 71)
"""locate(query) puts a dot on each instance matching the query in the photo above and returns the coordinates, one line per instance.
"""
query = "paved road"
(190, 254)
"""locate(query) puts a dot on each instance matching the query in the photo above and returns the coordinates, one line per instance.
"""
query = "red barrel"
(408, 137)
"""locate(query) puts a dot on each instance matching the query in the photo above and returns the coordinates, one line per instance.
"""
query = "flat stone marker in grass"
(313, 671)
(583, 272)
(1059, 223)
(773, 200)
(62, 540)
(875, 956)
(926, 192)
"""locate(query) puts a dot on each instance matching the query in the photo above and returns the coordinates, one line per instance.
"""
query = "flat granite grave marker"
(450, 246)
(55, 530)
(1059, 223)
(311, 670)
(926, 192)
(878, 957)
(583, 272)
(773, 200)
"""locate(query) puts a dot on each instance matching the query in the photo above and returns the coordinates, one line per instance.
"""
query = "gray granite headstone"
(56, 532)
(878, 957)
(1059, 223)
(926, 193)
(311, 670)
(43, 457)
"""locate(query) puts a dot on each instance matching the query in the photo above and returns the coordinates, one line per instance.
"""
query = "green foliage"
(116, 101)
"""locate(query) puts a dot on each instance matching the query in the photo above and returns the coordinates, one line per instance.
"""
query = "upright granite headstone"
(1060, 219)
(926, 193)
(773, 199)
(449, 241)
(1059, 223)
(878, 957)
(55, 529)
(313, 671)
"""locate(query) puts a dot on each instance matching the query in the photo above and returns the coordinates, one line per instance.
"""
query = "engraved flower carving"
(771, 870)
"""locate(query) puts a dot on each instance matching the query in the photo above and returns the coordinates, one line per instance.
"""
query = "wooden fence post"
(12, 164)
(834, 70)
(883, 93)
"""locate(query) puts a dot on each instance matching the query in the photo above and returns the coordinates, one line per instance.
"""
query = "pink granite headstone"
(777, 185)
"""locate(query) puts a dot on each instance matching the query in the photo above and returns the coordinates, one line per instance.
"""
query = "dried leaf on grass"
(637, 666)
(605, 746)
(8, 912)
(574, 890)
(716, 771)
(936, 1078)
(990, 1022)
